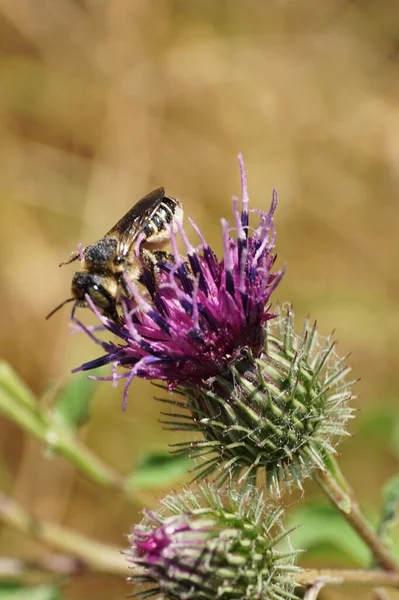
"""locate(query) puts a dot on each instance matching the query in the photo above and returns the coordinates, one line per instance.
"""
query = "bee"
(137, 239)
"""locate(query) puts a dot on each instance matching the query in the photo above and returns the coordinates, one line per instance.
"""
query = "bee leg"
(153, 263)
(112, 314)
(164, 260)
(148, 276)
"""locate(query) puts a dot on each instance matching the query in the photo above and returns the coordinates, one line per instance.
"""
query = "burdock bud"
(282, 411)
(209, 545)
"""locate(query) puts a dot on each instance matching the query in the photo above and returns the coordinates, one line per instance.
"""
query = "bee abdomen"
(156, 227)
(157, 222)
(162, 217)
(167, 208)
(148, 230)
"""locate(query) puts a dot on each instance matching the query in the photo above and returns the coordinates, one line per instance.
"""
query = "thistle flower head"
(282, 411)
(261, 396)
(197, 315)
(204, 546)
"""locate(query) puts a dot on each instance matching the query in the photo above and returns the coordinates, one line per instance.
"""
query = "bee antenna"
(59, 306)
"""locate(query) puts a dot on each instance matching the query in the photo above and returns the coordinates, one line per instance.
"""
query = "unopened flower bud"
(210, 545)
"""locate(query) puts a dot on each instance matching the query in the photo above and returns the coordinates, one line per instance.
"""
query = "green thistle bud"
(281, 412)
(210, 545)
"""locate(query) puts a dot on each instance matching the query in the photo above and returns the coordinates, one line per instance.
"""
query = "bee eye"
(118, 260)
(100, 296)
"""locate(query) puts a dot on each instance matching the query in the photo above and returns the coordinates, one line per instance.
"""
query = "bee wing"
(128, 228)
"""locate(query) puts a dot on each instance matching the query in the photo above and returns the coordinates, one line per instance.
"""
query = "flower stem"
(19, 405)
(347, 577)
(343, 498)
(380, 594)
(93, 555)
(46, 568)
(104, 558)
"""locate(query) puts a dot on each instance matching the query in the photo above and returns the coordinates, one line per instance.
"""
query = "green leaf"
(13, 386)
(324, 529)
(158, 469)
(40, 592)
(72, 406)
(390, 499)
(394, 437)
(378, 423)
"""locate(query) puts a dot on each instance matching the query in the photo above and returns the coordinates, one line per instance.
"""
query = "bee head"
(100, 288)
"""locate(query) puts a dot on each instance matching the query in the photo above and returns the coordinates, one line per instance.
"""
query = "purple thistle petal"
(244, 191)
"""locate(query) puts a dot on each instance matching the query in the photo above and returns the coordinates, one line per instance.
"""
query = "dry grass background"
(103, 100)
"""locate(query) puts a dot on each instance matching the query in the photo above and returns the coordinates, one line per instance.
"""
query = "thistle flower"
(201, 314)
(261, 397)
(282, 412)
(204, 546)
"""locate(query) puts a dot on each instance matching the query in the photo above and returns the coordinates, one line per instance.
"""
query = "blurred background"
(102, 101)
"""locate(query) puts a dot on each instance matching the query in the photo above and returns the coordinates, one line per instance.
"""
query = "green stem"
(19, 404)
(104, 558)
(313, 591)
(309, 577)
(380, 594)
(94, 555)
(42, 569)
(344, 500)
(60, 440)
